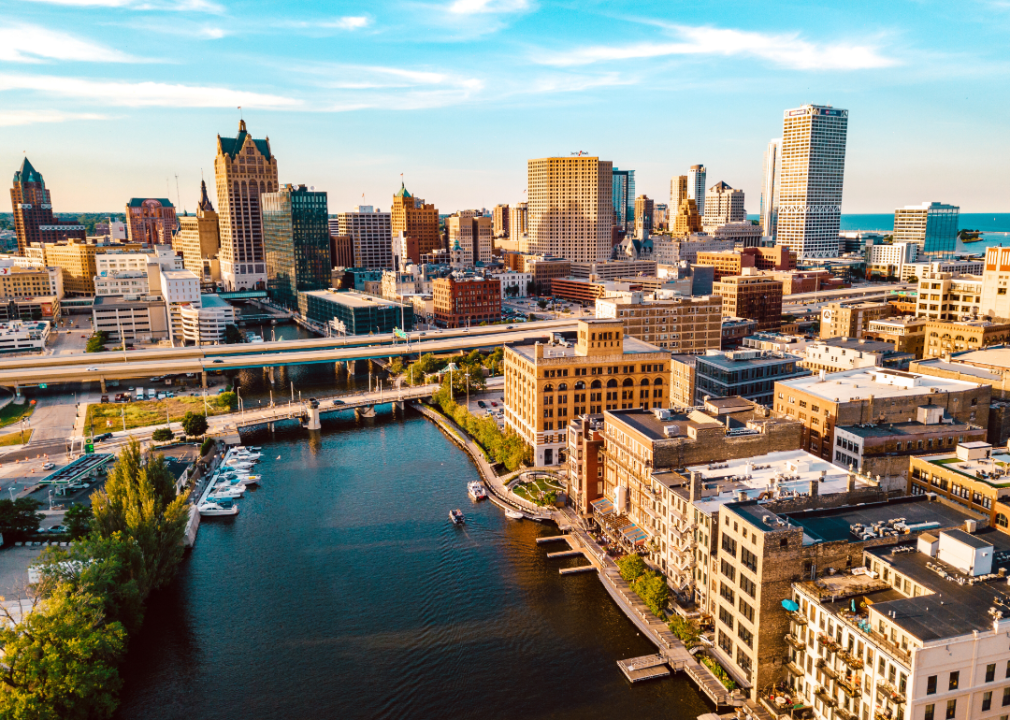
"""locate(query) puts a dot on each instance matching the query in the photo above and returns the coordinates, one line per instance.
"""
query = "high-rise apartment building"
(753, 296)
(371, 235)
(199, 241)
(474, 235)
(150, 220)
(952, 296)
(623, 189)
(770, 187)
(678, 191)
(810, 182)
(519, 221)
(34, 221)
(500, 218)
(571, 213)
(644, 214)
(244, 169)
(696, 186)
(418, 221)
(296, 243)
(723, 205)
(932, 226)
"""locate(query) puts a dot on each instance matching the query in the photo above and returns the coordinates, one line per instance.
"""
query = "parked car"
(481, 404)
(339, 402)
(494, 404)
(105, 398)
(48, 465)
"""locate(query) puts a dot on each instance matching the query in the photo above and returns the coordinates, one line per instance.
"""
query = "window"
(729, 545)
(728, 570)
(930, 710)
(726, 617)
(745, 635)
(746, 610)
(954, 678)
(747, 585)
(986, 700)
(990, 672)
(748, 559)
(951, 709)
(727, 592)
(1006, 696)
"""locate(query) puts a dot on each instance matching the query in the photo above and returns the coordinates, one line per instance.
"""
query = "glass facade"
(296, 241)
(721, 376)
(623, 189)
(932, 225)
(360, 314)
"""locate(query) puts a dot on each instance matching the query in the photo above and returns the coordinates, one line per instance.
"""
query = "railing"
(849, 688)
(798, 617)
(825, 696)
(795, 642)
(845, 714)
(794, 669)
(851, 660)
(891, 692)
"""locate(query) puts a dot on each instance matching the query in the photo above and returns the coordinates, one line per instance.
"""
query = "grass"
(108, 417)
(14, 438)
(532, 490)
(12, 412)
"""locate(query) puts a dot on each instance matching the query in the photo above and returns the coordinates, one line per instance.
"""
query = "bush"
(632, 567)
(229, 398)
(207, 446)
(719, 672)
(687, 630)
(162, 434)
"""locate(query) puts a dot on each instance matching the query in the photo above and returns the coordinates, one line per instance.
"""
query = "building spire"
(205, 204)
(241, 126)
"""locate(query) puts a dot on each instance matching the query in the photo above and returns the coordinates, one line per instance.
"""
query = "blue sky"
(114, 98)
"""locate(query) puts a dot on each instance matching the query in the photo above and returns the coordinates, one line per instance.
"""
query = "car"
(160, 396)
(510, 327)
(339, 402)
(494, 404)
(105, 399)
(103, 437)
(219, 361)
(131, 389)
(313, 402)
(92, 369)
(48, 465)
(481, 403)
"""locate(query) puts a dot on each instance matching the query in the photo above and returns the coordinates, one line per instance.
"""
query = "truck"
(152, 393)
(139, 394)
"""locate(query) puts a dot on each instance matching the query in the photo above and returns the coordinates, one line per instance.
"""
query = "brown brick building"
(727, 263)
(751, 295)
(544, 270)
(418, 222)
(150, 220)
(467, 301)
(943, 338)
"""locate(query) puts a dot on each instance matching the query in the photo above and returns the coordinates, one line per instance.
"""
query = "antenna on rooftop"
(178, 196)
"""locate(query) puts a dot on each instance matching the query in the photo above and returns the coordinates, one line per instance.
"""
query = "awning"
(634, 534)
(602, 506)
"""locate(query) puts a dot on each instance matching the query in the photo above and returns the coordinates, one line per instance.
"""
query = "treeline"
(507, 448)
(473, 363)
(647, 584)
(61, 660)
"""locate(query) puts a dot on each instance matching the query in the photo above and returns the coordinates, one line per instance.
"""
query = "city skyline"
(88, 83)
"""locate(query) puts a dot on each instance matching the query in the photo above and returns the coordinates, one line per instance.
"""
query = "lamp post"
(468, 391)
(451, 367)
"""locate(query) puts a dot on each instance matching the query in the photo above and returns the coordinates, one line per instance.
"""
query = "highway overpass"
(102, 367)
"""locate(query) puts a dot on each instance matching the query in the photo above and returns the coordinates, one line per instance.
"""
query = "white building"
(371, 235)
(770, 187)
(810, 183)
(125, 282)
(696, 187)
(112, 261)
(890, 260)
(957, 267)
(513, 284)
(723, 205)
(204, 323)
(23, 336)
(931, 225)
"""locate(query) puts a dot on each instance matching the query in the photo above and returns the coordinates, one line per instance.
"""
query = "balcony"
(826, 668)
(851, 688)
(845, 714)
(795, 642)
(890, 692)
(851, 660)
(825, 697)
(798, 617)
(828, 642)
(794, 669)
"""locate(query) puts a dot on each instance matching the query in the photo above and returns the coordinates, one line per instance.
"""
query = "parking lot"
(488, 397)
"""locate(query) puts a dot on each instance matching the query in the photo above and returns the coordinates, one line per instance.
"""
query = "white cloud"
(160, 5)
(34, 44)
(351, 22)
(212, 33)
(787, 50)
(144, 94)
(474, 7)
(9, 118)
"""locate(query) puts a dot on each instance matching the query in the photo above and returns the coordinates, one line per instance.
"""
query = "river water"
(342, 591)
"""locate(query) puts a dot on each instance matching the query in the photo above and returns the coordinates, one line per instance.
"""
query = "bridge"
(29, 371)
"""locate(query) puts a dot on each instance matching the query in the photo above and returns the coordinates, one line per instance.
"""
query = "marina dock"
(551, 538)
(565, 554)
(577, 569)
(646, 667)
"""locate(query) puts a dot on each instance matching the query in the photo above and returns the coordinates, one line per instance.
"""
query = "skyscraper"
(678, 192)
(199, 240)
(34, 221)
(696, 186)
(723, 205)
(932, 225)
(687, 220)
(571, 213)
(644, 213)
(244, 169)
(296, 243)
(473, 235)
(518, 221)
(500, 216)
(810, 181)
(417, 221)
(770, 187)
(370, 235)
(623, 188)
(150, 220)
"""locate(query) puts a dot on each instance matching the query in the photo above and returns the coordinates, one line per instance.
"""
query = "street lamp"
(467, 391)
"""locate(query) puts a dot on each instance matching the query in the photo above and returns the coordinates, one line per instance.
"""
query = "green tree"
(162, 435)
(77, 518)
(96, 343)
(654, 591)
(207, 446)
(195, 424)
(687, 630)
(19, 518)
(541, 304)
(228, 399)
(631, 567)
(232, 335)
(60, 660)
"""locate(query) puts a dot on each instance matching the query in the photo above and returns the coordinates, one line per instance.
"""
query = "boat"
(476, 491)
(225, 490)
(212, 509)
(456, 517)
(246, 455)
(514, 515)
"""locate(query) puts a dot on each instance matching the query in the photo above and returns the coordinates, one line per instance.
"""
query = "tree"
(232, 335)
(96, 343)
(687, 630)
(194, 424)
(541, 304)
(19, 518)
(654, 591)
(531, 288)
(631, 567)
(228, 399)
(77, 518)
(162, 435)
(913, 279)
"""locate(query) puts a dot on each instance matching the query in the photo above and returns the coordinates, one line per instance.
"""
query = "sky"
(113, 99)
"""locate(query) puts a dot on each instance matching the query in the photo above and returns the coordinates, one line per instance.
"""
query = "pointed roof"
(27, 174)
(403, 191)
(232, 146)
(721, 187)
(204, 204)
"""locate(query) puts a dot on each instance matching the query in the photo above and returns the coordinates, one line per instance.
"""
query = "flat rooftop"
(351, 298)
(213, 301)
(632, 346)
(994, 357)
(858, 384)
(736, 359)
(911, 429)
(993, 470)
(867, 346)
(957, 367)
(654, 428)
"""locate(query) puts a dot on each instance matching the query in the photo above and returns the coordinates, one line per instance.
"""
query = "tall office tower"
(678, 192)
(500, 215)
(244, 169)
(770, 187)
(932, 225)
(571, 213)
(696, 186)
(723, 205)
(418, 222)
(199, 240)
(810, 182)
(519, 221)
(370, 235)
(687, 220)
(473, 235)
(623, 189)
(644, 213)
(296, 243)
(34, 221)
(150, 220)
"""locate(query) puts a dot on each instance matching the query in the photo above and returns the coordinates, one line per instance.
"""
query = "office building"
(684, 324)
(887, 262)
(370, 231)
(645, 210)
(744, 234)
(571, 213)
(205, 322)
(660, 216)
(905, 333)
(675, 250)
(585, 461)
(687, 221)
(466, 300)
(500, 221)
(752, 295)
(723, 205)
(735, 329)
(932, 226)
(841, 353)
(623, 189)
(678, 191)
(614, 270)
(198, 241)
(696, 187)
(873, 395)
(945, 338)
(150, 221)
(995, 280)
(76, 259)
(545, 270)
(746, 373)
(770, 187)
(418, 221)
(296, 243)
(852, 319)
(810, 182)
(32, 204)
(18, 281)
(548, 385)
(948, 296)
(341, 250)
(807, 281)
(729, 263)
(244, 169)
(911, 272)
(133, 318)
(519, 217)
(682, 383)
(24, 336)
(354, 313)
(474, 235)
(513, 284)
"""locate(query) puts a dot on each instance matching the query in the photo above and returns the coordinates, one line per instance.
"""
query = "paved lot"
(14, 562)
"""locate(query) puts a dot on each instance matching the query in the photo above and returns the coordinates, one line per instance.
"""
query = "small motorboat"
(514, 515)
(456, 517)
(476, 491)
(211, 509)
(227, 490)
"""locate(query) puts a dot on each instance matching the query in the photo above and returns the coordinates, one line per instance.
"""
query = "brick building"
(729, 263)
(682, 380)
(906, 333)
(34, 221)
(150, 221)
(461, 302)
(753, 296)
(852, 319)
(685, 324)
(944, 338)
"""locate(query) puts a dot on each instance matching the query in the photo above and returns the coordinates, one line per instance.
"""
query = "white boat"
(514, 515)
(210, 509)
(456, 517)
(226, 490)
(239, 466)
(246, 455)
(476, 491)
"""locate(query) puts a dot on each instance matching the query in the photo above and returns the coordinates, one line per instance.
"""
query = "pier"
(646, 667)
(565, 553)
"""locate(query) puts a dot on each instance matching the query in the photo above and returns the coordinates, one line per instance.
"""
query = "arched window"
(645, 381)
(628, 382)
(611, 383)
(1001, 520)
(596, 384)
(562, 387)
(580, 385)
(548, 388)
(658, 381)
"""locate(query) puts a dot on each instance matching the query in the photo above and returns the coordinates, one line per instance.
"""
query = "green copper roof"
(232, 146)
(137, 202)
(28, 174)
(403, 191)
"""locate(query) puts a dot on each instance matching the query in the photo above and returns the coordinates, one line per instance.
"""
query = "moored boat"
(223, 507)
(476, 491)
(514, 515)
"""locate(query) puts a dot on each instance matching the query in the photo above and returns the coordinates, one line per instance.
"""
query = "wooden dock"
(565, 554)
(577, 569)
(552, 538)
(646, 667)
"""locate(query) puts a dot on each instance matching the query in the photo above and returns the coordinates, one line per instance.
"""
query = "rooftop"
(350, 298)
(862, 345)
(911, 429)
(667, 424)
(858, 384)
(736, 359)
(213, 301)
(981, 463)
(632, 346)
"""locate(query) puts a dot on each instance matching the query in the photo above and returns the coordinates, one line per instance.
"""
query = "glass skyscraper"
(296, 241)
(624, 199)
(932, 225)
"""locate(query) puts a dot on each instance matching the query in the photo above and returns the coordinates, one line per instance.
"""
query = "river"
(342, 591)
